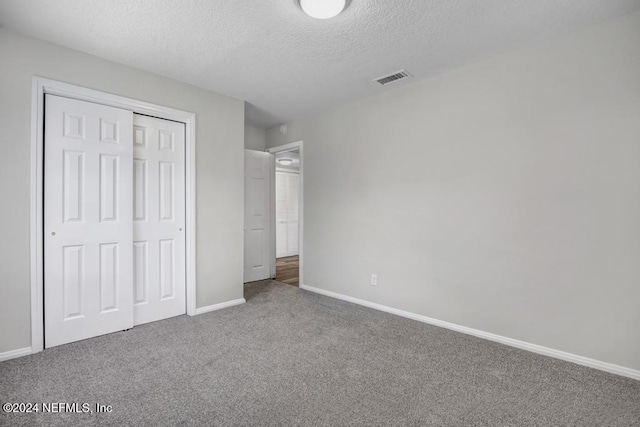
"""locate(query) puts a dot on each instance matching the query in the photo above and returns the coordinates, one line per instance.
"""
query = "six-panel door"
(257, 215)
(158, 219)
(88, 215)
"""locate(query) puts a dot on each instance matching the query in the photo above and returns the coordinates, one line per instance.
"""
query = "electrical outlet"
(374, 280)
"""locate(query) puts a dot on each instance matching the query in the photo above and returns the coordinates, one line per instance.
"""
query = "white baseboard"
(15, 353)
(27, 350)
(569, 357)
(220, 306)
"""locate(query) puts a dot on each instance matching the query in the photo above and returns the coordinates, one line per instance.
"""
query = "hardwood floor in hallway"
(287, 269)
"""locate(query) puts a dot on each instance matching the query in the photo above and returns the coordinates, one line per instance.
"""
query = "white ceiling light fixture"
(322, 9)
(285, 162)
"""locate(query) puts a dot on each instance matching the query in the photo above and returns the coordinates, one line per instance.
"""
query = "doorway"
(287, 209)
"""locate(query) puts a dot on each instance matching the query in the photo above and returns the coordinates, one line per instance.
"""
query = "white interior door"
(257, 215)
(287, 213)
(88, 214)
(158, 219)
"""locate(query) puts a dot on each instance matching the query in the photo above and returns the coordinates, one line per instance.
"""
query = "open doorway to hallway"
(273, 226)
(287, 212)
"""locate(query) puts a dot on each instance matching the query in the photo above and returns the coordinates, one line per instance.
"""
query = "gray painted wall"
(502, 196)
(220, 203)
(254, 138)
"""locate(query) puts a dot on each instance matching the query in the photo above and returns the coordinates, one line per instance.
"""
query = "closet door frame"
(42, 86)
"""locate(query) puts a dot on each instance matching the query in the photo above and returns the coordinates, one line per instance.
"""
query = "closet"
(114, 219)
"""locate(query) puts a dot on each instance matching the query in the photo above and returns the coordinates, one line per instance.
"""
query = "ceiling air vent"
(394, 77)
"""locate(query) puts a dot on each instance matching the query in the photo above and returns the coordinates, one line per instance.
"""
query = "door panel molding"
(75, 126)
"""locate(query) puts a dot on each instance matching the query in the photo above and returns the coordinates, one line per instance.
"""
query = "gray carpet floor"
(291, 357)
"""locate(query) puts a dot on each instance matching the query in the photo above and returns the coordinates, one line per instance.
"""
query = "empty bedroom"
(320, 213)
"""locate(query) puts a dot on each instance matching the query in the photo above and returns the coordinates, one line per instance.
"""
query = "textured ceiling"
(287, 65)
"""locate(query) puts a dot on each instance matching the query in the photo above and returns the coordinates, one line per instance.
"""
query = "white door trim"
(273, 150)
(42, 86)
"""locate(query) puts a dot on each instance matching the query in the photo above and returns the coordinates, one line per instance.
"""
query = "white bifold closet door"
(158, 219)
(287, 215)
(88, 241)
(114, 213)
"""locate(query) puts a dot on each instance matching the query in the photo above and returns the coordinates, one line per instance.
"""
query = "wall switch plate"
(374, 280)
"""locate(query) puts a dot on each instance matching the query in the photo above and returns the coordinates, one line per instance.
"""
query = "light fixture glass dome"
(322, 9)
(285, 162)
